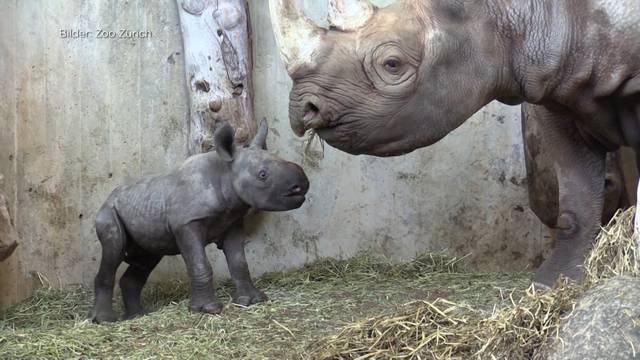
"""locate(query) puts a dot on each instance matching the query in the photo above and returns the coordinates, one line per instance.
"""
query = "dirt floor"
(305, 306)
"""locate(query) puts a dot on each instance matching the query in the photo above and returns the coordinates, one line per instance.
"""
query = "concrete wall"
(78, 117)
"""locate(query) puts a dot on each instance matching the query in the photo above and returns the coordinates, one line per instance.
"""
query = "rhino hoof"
(100, 317)
(242, 300)
(135, 315)
(540, 287)
(259, 297)
(245, 300)
(213, 308)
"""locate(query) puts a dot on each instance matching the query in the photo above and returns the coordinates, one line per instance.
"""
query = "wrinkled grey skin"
(419, 68)
(202, 202)
(616, 194)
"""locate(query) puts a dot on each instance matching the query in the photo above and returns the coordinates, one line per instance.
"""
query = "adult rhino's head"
(259, 178)
(385, 81)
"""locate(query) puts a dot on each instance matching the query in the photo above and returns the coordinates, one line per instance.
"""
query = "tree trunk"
(217, 51)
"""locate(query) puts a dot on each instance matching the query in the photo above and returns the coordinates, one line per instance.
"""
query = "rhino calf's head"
(259, 178)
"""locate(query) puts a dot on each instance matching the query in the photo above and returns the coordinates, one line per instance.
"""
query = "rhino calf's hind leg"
(134, 279)
(112, 238)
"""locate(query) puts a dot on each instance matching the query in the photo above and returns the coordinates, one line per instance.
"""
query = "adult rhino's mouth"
(357, 139)
(335, 132)
(341, 133)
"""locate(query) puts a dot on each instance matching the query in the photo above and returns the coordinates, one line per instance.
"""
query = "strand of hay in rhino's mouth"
(311, 156)
(521, 330)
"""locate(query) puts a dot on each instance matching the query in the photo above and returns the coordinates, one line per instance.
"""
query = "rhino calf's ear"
(223, 141)
(260, 140)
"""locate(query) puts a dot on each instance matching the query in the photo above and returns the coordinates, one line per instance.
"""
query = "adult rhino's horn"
(296, 35)
(348, 15)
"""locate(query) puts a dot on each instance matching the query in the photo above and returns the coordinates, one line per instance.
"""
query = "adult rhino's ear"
(223, 141)
(260, 140)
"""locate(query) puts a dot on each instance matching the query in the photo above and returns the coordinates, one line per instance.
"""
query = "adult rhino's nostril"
(310, 112)
(309, 119)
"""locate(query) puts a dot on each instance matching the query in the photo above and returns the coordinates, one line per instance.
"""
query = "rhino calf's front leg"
(191, 242)
(233, 247)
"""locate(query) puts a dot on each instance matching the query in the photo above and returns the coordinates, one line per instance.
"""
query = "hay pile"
(615, 252)
(306, 304)
(442, 329)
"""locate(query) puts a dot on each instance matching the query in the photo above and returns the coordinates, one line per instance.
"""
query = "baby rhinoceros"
(202, 202)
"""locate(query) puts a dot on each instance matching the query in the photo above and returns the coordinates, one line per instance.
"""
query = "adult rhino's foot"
(549, 272)
(249, 297)
(98, 315)
(540, 288)
(213, 307)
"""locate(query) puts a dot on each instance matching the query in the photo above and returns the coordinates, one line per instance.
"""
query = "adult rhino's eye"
(392, 65)
(391, 68)
(263, 175)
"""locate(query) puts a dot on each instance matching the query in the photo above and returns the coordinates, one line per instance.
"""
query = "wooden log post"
(217, 51)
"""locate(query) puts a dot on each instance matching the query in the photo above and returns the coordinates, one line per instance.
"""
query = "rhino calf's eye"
(263, 175)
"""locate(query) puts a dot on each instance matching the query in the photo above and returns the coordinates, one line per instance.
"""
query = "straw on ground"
(520, 329)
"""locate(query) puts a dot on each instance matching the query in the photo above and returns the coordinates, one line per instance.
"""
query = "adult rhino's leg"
(628, 165)
(112, 238)
(554, 146)
(132, 281)
(191, 240)
(614, 188)
(233, 247)
(539, 161)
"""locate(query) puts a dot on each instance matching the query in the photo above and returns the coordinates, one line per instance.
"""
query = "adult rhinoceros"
(387, 81)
